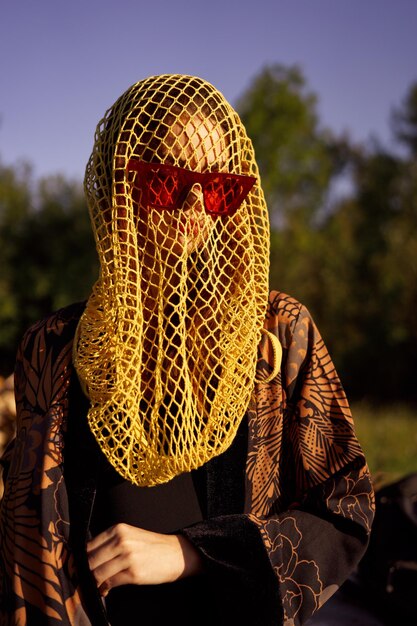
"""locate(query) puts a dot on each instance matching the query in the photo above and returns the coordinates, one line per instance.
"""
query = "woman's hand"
(126, 555)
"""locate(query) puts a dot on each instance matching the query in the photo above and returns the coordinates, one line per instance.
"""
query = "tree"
(370, 280)
(404, 120)
(352, 261)
(47, 252)
(15, 194)
(296, 157)
(298, 161)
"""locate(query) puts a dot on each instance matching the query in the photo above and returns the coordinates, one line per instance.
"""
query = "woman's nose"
(194, 199)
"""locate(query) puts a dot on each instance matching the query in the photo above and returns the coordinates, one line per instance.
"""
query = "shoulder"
(293, 325)
(54, 330)
(285, 314)
(283, 305)
(44, 354)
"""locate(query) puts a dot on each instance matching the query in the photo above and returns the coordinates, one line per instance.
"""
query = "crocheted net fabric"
(166, 348)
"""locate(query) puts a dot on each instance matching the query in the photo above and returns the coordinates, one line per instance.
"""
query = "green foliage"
(298, 161)
(295, 156)
(372, 323)
(351, 261)
(388, 436)
(404, 120)
(47, 252)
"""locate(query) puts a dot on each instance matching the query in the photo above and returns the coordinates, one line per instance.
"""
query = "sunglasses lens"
(163, 188)
(166, 186)
(222, 195)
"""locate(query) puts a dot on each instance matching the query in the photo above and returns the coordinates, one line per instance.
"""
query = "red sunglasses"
(166, 187)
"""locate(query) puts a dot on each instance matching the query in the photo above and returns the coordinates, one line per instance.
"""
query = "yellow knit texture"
(166, 348)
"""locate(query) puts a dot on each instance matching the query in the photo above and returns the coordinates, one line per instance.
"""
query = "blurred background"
(328, 92)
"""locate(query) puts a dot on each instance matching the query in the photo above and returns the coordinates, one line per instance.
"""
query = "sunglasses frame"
(187, 179)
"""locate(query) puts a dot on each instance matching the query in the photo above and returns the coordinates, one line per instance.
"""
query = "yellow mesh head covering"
(166, 348)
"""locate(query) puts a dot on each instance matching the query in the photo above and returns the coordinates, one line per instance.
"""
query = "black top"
(164, 508)
(215, 489)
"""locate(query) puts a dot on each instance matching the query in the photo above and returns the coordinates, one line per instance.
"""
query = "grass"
(388, 436)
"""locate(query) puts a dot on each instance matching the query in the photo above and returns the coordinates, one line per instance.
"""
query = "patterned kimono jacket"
(308, 501)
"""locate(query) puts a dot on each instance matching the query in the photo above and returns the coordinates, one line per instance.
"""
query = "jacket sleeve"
(309, 495)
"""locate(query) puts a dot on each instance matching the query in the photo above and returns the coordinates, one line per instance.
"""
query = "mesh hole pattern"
(166, 347)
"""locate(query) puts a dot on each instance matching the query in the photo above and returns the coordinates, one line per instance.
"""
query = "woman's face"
(195, 144)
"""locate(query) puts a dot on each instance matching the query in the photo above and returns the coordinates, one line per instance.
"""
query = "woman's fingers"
(120, 578)
(125, 554)
(112, 573)
(105, 546)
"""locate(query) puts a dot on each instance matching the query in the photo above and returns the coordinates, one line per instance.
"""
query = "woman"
(184, 447)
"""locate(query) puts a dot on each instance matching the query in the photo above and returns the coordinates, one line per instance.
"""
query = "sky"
(64, 62)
